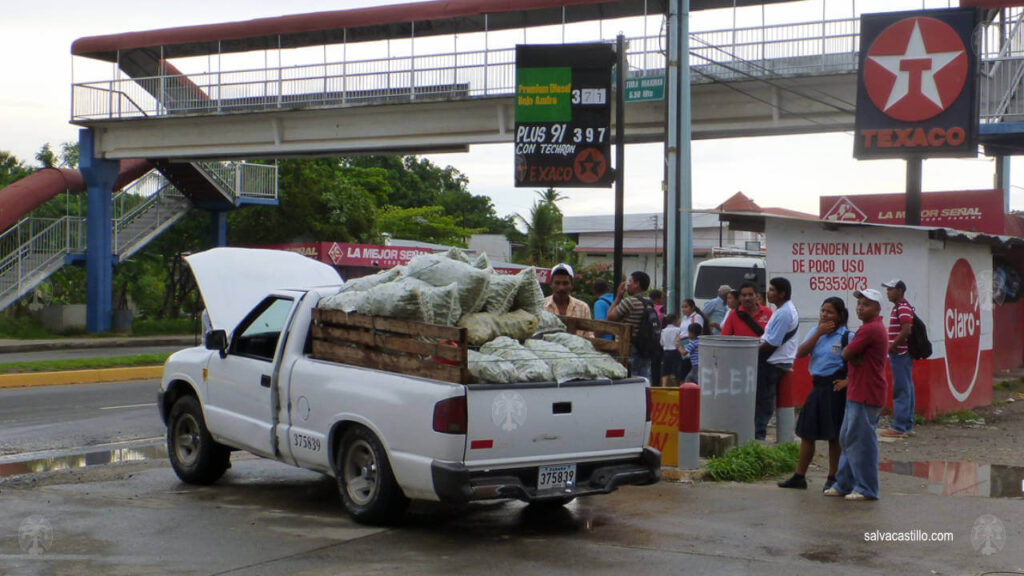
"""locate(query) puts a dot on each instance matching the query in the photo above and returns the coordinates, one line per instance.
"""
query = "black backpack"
(918, 345)
(648, 333)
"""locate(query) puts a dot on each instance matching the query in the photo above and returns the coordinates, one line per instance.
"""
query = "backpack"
(648, 333)
(919, 346)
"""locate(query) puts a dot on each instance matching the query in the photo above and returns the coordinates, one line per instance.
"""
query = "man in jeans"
(857, 478)
(630, 310)
(901, 321)
(777, 352)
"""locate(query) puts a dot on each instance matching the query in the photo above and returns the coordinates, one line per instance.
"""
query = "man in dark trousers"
(777, 351)
(901, 321)
(857, 478)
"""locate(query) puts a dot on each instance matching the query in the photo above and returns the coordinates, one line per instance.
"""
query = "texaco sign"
(916, 89)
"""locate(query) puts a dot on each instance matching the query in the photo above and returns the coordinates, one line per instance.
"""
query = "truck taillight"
(650, 403)
(450, 415)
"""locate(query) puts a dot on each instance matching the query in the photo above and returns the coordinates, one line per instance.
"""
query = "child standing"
(691, 351)
(670, 355)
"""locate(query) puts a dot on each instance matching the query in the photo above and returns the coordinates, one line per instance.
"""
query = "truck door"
(239, 408)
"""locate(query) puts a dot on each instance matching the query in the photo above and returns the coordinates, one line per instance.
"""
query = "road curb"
(97, 376)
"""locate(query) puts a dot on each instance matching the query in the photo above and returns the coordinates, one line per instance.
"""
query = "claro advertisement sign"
(916, 89)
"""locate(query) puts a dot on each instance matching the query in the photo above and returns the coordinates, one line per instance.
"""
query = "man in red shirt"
(901, 321)
(750, 313)
(857, 478)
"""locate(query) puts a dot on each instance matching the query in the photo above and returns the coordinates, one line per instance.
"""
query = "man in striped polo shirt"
(901, 321)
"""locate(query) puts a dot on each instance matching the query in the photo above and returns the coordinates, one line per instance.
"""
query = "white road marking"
(127, 406)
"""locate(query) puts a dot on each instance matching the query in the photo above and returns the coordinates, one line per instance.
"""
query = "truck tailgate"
(537, 423)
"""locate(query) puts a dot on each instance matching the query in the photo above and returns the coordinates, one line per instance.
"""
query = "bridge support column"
(219, 226)
(99, 175)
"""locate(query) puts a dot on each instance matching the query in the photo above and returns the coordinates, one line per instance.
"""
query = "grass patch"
(83, 363)
(23, 328)
(752, 462)
(160, 327)
(960, 418)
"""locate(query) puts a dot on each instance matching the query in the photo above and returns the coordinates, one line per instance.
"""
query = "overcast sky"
(789, 172)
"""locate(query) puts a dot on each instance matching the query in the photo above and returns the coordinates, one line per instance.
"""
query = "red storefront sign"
(970, 210)
(373, 256)
(991, 3)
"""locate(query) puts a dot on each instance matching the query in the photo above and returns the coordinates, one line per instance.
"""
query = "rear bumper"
(453, 482)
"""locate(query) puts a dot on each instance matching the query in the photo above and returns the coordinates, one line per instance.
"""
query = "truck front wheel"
(365, 481)
(195, 456)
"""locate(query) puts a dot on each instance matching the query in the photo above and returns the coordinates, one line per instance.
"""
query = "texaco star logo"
(915, 69)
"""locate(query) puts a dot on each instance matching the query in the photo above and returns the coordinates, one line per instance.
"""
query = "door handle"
(265, 381)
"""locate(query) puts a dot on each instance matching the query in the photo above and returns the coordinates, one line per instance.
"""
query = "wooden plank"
(619, 348)
(386, 341)
(377, 360)
(407, 327)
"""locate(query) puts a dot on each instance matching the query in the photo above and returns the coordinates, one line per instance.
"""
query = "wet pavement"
(268, 518)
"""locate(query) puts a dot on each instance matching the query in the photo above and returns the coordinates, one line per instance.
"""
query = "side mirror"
(217, 340)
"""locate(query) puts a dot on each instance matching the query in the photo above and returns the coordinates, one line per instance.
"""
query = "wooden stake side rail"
(392, 345)
(619, 348)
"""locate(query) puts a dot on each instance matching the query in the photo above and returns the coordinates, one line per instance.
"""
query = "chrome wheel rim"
(186, 439)
(360, 473)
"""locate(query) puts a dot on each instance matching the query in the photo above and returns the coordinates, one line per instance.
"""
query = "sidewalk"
(93, 376)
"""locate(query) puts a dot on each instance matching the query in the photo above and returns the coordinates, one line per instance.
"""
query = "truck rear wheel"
(195, 456)
(365, 480)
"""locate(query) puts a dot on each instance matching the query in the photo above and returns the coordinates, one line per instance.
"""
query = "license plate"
(551, 477)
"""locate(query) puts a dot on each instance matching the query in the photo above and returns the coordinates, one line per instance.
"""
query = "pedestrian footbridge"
(429, 77)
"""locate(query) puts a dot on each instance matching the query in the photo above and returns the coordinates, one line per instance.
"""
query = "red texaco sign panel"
(916, 89)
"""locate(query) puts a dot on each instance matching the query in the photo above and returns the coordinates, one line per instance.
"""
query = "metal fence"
(820, 47)
(242, 179)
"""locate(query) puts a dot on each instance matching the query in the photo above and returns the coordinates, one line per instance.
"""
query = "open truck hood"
(233, 281)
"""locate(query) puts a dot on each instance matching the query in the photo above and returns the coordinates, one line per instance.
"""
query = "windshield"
(709, 278)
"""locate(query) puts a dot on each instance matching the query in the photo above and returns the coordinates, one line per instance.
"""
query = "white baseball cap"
(870, 294)
(563, 267)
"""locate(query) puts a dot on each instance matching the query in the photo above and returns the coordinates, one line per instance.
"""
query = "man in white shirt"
(777, 351)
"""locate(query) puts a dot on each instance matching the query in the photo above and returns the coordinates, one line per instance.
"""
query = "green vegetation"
(752, 462)
(83, 363)
(161, 327)
(961, 418)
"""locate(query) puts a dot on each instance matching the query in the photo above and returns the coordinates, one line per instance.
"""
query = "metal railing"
(39, 256)
(785, 50)
(154, 214)
(243, 180)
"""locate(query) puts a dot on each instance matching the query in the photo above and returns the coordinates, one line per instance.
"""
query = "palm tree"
(544, 228)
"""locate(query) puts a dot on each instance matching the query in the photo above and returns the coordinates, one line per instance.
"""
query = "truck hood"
(233, 281)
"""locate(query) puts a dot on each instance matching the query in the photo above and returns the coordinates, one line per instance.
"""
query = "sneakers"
(856, 496)
(828, 483)
(794, 481)
(831, 491)
(890, 433)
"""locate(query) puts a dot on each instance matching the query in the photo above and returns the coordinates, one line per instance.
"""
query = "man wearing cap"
(901, 321)
(857, 478)
(715, 309)
(561, 301)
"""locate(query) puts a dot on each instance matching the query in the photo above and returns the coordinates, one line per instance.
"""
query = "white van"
(731, 270)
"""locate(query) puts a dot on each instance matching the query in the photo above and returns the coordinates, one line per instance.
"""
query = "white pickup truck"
(386, 437)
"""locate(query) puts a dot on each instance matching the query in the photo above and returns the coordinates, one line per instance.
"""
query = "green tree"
(11, 169)
(46, 157)
(545, 244)
(426, 224)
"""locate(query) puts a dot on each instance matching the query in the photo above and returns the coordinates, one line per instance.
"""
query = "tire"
(195, 456)
(367, 485)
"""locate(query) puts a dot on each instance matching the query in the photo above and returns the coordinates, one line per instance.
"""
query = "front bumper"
(453, 482)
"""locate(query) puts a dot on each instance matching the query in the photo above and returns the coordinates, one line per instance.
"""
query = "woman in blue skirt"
(822, 414)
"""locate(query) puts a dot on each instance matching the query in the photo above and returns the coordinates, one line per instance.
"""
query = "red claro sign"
(962, 329)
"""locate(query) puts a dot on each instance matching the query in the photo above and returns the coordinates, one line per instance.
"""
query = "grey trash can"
(728, 384)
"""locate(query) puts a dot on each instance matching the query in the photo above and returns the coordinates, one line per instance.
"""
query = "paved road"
(65, 417)
(266, 518)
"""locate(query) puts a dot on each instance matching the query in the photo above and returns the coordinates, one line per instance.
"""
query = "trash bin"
(728, 384)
